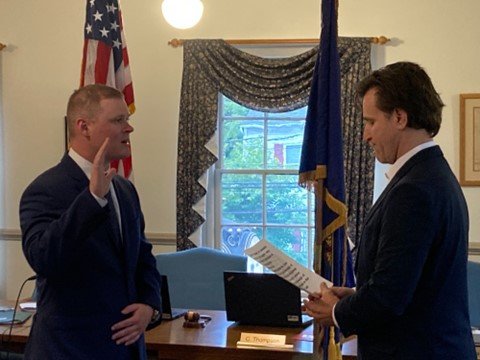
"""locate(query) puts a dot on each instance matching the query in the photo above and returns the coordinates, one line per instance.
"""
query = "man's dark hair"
(406, 85)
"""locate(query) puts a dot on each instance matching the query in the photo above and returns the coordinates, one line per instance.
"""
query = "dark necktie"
(113, 218)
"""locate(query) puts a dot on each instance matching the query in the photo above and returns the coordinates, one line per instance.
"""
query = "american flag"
(105, 57)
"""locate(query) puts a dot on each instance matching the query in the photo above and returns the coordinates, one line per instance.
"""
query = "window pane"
(294, 114)
(293, 154)
(286, 200)
(243, 144)
(235, 239)
(255, 114)
(241, 199)
(232, 109)
(292, 241)
(284, 144)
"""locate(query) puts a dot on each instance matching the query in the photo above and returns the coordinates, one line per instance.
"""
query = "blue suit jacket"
(411, 299)
(86, 275)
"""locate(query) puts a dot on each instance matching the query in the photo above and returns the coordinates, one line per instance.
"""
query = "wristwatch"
(155, 316)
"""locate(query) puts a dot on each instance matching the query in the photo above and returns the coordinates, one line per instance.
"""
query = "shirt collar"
(83, 163)
(397, 165)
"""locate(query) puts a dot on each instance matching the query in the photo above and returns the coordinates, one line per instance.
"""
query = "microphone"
(34, 277)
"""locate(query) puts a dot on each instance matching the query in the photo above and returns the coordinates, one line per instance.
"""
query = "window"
(256, 178)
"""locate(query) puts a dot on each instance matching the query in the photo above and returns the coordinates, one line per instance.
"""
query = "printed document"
(284, 266)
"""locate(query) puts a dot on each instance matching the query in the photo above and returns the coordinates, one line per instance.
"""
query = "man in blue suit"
(411, 296)
(83, 234)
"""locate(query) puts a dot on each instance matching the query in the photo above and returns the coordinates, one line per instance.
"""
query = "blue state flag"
(322, 159)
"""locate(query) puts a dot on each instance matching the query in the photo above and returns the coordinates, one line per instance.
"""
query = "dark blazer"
(411, 299)
(86, 274)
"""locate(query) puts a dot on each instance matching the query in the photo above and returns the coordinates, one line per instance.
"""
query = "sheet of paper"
(476, 336)
(284, 266)
(28, 306)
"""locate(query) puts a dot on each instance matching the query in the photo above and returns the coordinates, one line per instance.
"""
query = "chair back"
(195, 276)
(473, 277)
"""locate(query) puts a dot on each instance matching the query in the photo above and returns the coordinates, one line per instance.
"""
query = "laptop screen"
(168, 313)
(262, 299)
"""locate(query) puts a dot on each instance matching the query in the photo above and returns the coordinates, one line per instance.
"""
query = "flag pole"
(321, 153)
(318, 330)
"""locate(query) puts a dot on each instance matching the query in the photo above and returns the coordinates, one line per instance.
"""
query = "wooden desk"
(218, 341)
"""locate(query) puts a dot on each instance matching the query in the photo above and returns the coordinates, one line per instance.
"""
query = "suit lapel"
(70, 167)
(404, 170)
(128, 244)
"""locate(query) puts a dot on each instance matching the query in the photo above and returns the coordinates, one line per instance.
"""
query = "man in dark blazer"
(83, 234)
(411, 296)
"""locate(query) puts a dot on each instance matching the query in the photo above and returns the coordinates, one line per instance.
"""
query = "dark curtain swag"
(271, 85)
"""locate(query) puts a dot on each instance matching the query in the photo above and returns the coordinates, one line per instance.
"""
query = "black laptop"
(263, 299)
(169, 313)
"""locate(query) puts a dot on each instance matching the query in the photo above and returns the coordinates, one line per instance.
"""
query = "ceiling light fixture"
(182, 14)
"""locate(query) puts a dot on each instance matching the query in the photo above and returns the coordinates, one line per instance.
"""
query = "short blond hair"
(85, 102)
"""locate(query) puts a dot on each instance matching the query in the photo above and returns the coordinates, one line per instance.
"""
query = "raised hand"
(101, 173)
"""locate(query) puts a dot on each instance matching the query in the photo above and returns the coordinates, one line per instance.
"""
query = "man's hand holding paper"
(320, 305)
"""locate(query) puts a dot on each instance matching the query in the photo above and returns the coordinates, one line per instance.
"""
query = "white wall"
(41, 66)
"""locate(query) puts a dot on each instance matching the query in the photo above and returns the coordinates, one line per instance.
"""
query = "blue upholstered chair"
(195, 276)
(473, 276)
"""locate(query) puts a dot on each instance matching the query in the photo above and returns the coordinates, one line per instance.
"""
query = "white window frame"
(219, 171)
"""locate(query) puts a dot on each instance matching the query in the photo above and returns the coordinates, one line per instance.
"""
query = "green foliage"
(231, 108)
(241, 153)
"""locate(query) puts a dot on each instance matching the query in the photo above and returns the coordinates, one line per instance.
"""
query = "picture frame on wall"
(470, 139)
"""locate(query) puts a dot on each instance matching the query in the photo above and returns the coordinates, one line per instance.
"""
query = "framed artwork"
(470, 139)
